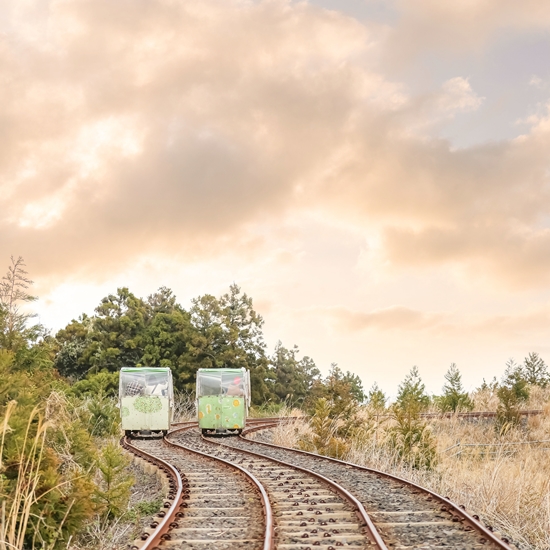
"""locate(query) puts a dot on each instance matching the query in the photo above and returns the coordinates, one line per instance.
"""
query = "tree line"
(56, 414)
(224, 332)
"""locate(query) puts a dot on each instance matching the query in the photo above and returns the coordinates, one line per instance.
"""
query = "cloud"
(458, 97)
(536, 81)
(129, 124)
(132, 127)
(391, 318)
(517, 325)
(459, 27)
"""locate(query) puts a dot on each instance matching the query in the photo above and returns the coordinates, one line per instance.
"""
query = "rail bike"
(146, 400)
(223, 398)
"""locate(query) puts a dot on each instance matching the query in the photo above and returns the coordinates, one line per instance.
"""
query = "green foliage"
(267, 409)
(143, 509)
(104, 384)
(223, 332)
(535, 371)
(489, 386)
(454, 397)
(43, 459)
(128, 331)
(376, 398)
(229, 335)
(343, 392)
(412, 392)
(104, 416)
(410, 438)
(512, 393)
(326, 439)
(292, 378)
(75, 354)
(114, 487)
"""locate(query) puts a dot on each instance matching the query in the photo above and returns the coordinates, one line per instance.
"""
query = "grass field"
(503, 478)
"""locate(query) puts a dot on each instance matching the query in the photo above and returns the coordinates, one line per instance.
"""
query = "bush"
(411, 439)
(512, 393)
(114, 485)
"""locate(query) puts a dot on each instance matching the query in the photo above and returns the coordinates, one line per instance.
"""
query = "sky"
(374, 174)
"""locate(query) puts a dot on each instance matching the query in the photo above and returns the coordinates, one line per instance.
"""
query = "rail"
(268, 512)
(373, 534)
(459, 512)
(167, 517)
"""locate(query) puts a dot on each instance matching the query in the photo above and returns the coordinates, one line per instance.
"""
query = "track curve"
(220, 505)
(235, 493)
(406, 514)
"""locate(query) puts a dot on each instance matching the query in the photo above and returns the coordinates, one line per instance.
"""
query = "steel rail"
(472, 521)
(152, 540)
(372, 532)
(269, 539)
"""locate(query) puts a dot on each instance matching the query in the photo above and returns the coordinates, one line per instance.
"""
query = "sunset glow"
(376, 175)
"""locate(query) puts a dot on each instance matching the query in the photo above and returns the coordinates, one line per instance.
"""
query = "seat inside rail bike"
(223, 398)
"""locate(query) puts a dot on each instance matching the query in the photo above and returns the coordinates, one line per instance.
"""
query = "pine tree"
(535, 370)
(114, 491)
(292, 378)
(229, 335)
(412, 391)
(512, 393)
(454, 397)
(410, 437)
(376, 397)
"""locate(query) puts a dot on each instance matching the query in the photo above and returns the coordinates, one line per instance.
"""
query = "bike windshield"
(209, 382)
(138, 382)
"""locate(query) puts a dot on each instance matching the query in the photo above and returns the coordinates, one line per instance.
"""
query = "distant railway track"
(234, 493)
(479, 414)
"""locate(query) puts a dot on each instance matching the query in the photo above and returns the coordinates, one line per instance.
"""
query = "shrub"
(114, 485)
(410, 438)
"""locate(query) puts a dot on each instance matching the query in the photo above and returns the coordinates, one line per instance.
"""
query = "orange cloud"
(391, 318)
(131, 128)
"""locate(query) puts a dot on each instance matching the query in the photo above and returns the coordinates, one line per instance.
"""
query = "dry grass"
(506, 483)
(184, 407)
(15, 512)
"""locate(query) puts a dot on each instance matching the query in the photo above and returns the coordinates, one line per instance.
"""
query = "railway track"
(238, 493)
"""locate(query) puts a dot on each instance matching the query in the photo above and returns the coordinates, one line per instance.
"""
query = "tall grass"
(506, 481)
(184, 406)
(17, 506)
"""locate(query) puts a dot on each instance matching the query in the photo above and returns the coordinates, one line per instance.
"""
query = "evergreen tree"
(412, 391)
(76, 348)
(342, 391)
(116, 483)
(512, 393)
(163, 301)
(454, 397)
(229, 335)
(118, 335)
(167, 342)
(535, 370)
(410, 437)
(376, 397)
(356, 386)
(292, 378)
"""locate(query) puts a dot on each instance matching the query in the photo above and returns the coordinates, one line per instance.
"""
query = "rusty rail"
(155, 538)
(472, 521)
(362, 514)
(269, 539)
